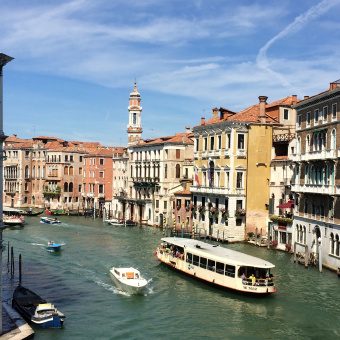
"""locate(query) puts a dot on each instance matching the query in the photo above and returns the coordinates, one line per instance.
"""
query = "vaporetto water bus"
(217, 265)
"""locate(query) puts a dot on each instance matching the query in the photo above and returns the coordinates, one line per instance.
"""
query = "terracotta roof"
(184, 137)
(183, 192)
(280, 157)
(14, 139)
(99, 152)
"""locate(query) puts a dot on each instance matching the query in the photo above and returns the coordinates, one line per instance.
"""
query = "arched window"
(66, 170)
(333, 140)
(304, 235)
(33, 172)
(178, 171)
(26, 171)
(38, 173)
(337, 245)
(43, 172)
(331, 244)
(306, 207)
(71, 170)
(65, 187)
(70, 187)
(297, 233)
(298, 146)
(307, 143)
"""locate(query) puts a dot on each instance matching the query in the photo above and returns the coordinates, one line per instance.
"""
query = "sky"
(76, 61)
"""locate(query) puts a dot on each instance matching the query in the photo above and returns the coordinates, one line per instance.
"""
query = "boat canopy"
(218, 253)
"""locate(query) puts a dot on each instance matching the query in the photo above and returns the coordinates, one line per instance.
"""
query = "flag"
(196, 178)
(209, 178)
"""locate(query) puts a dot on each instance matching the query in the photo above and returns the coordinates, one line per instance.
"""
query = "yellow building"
(232, 155)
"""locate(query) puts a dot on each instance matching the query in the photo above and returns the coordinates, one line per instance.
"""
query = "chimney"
(14, 135)
(294, 99)
(215, 112)
(262, 114)
(187, 129)
(305, 97)
(202, 121)
(334, 85)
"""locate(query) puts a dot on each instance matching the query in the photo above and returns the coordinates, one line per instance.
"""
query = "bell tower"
(134, 128)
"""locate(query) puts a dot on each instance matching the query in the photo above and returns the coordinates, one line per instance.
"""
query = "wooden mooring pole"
(12, 261)
(19, 268)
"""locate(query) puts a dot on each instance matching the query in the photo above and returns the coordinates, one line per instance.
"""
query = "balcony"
(90, 195)
(226, 153)
(196, 154)
(321, 189)
(101, 195)
(210, 190)
(204, 154)
(241, 153)
(145, 182)
(319, 155)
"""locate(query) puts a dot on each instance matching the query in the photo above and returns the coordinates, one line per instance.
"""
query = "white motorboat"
(49, 220)
(129, 280)
(115, 221)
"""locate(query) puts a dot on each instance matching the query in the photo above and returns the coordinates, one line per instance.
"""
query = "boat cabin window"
(229, 270)
(203, 262)
(220, 268)
(189, 258)
(196, 260)
(211, 265)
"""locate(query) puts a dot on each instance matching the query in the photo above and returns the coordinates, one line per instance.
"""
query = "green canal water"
(306, 305)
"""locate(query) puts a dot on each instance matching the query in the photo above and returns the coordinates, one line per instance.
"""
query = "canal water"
(306, 305)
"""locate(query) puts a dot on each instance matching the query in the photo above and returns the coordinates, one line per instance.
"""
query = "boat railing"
(258, 282)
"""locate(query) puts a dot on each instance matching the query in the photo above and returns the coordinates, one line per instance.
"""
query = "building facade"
(316, 179)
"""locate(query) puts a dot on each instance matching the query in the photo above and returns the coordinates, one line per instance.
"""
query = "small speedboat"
(35, 309)
(13, 220)
(49, 220)
(115, 221)
(53, 246)
(128, 280)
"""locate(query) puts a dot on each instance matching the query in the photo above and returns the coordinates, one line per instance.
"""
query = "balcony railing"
(226, 153)
(210, 190)
(241, 153)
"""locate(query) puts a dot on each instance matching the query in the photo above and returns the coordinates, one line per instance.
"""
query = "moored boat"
(12, 221)
(217, 265)
(35, 309)
(49, 220)
(115, 221)
(129, 280)
(51, 246)
(56, 212)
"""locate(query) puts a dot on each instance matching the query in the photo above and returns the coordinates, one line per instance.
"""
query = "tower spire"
(134, 128)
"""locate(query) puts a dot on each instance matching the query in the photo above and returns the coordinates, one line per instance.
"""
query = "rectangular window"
(299, 121)
(219, 141)
(101, 161)
(205, 143)
(189, 258)
(212, 141)
(227, 141)
(80, 171)
(220, 268)
(334, 110)
(325, 112)
(178, 153)
(101, 174)
(80, 158)
(308, 114)
(316, 115)
(197, 143)
(84, 173)
(100, 188)
(239, 180)
(165, 205)
(211, 265)
(229, 270)
(240, 141)
(195, 260)
(285, 114)
(79, 188)
(157, 204)
(203, 262)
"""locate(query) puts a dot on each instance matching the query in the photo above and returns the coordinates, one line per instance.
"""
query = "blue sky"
(76, 61)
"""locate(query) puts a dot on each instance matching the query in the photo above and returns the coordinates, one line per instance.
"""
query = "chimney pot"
(305, 97)
(187, 129)
(294, 99)
(202, 121)
(215, 112)
(263, 103)
(14, 135)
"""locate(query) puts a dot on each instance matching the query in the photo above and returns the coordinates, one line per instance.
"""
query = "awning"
(289, 204)
(319, 130)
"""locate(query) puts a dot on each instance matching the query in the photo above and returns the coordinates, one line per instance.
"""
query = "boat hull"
(25, 302)
(49, 220)
(124, 286)
(54, 247)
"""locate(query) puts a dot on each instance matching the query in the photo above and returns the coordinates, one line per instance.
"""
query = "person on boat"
(30, 210)
(253, 279)
(244, 278)
(50, 243)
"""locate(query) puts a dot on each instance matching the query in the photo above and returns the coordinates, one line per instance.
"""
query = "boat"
(219, 266)
(35, 309)
(130, 223)
(49, 220)
(56, 212)
(13, 220)
(51, 246)
(31, 213)
(128, 280)
(115, 221)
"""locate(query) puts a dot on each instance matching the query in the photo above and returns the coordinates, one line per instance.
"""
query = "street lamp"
(4, 59)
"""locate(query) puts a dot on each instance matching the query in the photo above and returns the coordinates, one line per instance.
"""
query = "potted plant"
(240, 212)
(201, 209)
(224, 213)
(274, 244)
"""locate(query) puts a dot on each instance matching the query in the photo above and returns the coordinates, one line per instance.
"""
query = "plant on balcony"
(281, 219)
(288, 246)
(214, 212)
(224, 213)
(239, 213)
(201, 210)
(192, 207)
(178, 207)
(274, 244)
